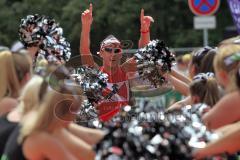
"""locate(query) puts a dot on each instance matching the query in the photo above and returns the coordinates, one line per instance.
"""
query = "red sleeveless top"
(110, 107)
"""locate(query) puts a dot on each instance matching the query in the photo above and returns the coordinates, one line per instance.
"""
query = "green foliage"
(173, 20)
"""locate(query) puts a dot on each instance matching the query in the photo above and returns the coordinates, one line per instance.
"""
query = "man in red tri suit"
(111, 53)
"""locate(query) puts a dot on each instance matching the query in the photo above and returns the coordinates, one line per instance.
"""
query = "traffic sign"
(204, 22)
(203, 7)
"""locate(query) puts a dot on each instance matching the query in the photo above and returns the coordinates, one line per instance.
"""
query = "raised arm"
(227, 143)
(180, 104)
(180, 76)
(32, 51)
(179, 85)
(89, 135)
(130, 64)
(226, 111)
(145, 29)
(86, 55)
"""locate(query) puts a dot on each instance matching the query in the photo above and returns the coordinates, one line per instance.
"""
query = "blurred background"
(173, 20)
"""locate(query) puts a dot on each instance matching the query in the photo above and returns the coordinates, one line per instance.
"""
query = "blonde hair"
(232, 40)
(206, 89)
(13, 68)
(54, 104)
(219, 65)
(30, 94)
(34, 91)
(186, 58)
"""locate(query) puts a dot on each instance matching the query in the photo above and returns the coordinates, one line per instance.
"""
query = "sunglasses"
(114, 50)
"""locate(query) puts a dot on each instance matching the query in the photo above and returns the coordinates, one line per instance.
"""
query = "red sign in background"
(203, 7)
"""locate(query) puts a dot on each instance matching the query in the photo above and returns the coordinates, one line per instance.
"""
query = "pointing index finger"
(142, 14)
(90, 8)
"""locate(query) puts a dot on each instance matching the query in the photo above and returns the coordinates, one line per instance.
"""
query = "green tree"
(173, 20)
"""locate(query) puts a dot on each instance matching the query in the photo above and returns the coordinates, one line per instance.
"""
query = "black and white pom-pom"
(43, 32)
(154, 60)
(194, 126)
(146, 132)
(30, 31)
(87, 112)
(56, 50)
(92, 82)
(134, 135)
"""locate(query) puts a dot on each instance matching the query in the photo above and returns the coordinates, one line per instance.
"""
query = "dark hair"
(198, 57)
(207, 62)
(206, 88)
